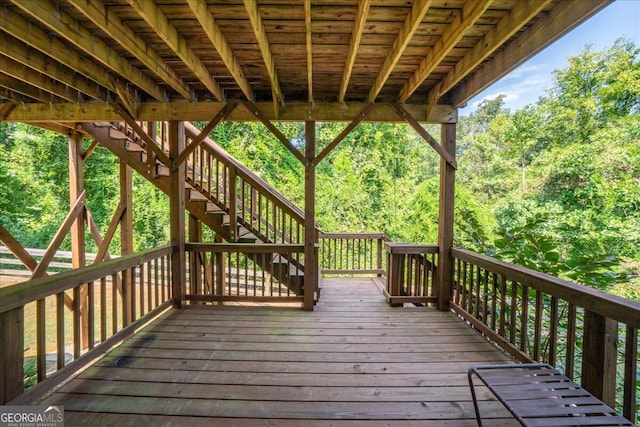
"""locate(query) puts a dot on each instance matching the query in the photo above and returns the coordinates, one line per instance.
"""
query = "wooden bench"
(539, 395)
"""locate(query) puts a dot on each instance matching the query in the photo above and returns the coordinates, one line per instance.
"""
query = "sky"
(525, 84)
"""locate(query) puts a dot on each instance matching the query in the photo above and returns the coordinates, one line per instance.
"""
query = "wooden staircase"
(219, 191)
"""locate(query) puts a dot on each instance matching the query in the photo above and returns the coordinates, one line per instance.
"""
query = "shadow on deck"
(354, 361)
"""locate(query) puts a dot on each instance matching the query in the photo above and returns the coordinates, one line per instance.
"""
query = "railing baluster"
(41, 340)
(629, 409)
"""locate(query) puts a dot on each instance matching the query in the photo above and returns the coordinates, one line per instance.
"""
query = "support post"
(126, 238)
(310, 253)
(12, 354)
(599, 357)
(78, 244)
(445, 222)
(176, 212)
(195, 262)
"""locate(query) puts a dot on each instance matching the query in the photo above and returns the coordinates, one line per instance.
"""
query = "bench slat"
(539, 395)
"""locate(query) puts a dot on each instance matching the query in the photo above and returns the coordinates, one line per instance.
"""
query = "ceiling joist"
(157, 20)
(31, 58)
(522, 12)
(463, 20)
(111, 24)
(39, 81)
(36, 37)
(411, 23)
(58, 21)
(307, 26)
(354, 44)
(213, 31)
(265, 48)
(16, 89)
(561, 19)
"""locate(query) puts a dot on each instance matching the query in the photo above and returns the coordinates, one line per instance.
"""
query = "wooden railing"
(244, 272)
(591, 335)
(108, 300)
(411, 273)
(246, 198)
(10, 265)
(349, 254)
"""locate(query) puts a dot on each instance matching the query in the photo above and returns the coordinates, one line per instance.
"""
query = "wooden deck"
(354, 361)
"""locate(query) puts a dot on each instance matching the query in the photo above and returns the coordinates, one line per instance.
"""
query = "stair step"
(132, 146)
(143, 157)
(214, 209)
(163, 170)
(117, 134)
(247, 238)
(103, 124)
(195, 196)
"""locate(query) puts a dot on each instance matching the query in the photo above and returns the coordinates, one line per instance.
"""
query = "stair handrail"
(192, 131)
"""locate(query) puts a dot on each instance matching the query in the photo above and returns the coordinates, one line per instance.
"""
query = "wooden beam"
(37, 80)
(263, 41)
(19, 52)
(202, 111)
(177, 216)
(523, 11)
(109, 22)
(103, 245)
(12, 354)
(448, 157)
(355, 122)
(599, 357)
(411, 23)
(87, 153)
(5, 109)
(310, 252)
(354, 44)
(76, 190)
(213, 31)
(564, 16)
(204, 133)
(126, 241)
(309, 48)
(17, 249)
(18, 92)
(60, 22)
(76, 210)
(445, 219)
(470, 13)
(274, 130)
(153, 16)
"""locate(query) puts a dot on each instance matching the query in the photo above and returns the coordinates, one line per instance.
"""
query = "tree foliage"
(554, 186)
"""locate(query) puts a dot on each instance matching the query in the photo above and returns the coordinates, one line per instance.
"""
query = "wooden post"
(233, 204)
(445, 222)
(599, 357)
(195, 264)
(310, 253)
(78, 244)
(176, 212)
(12, 354)
(126, 238)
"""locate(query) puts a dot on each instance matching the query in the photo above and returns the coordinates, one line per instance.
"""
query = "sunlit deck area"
(353, 361)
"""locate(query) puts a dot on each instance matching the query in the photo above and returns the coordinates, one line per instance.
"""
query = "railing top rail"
(370, 235)
(594, 300)
(23, 293)
(244, 247)
(247, 174)
(410, 248)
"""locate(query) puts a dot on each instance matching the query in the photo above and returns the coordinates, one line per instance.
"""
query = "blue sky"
(529, 81)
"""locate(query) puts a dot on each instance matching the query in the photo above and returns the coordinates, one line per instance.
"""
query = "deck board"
(352, 362)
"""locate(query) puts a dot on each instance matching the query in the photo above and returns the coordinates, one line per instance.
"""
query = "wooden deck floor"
(354, 361)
